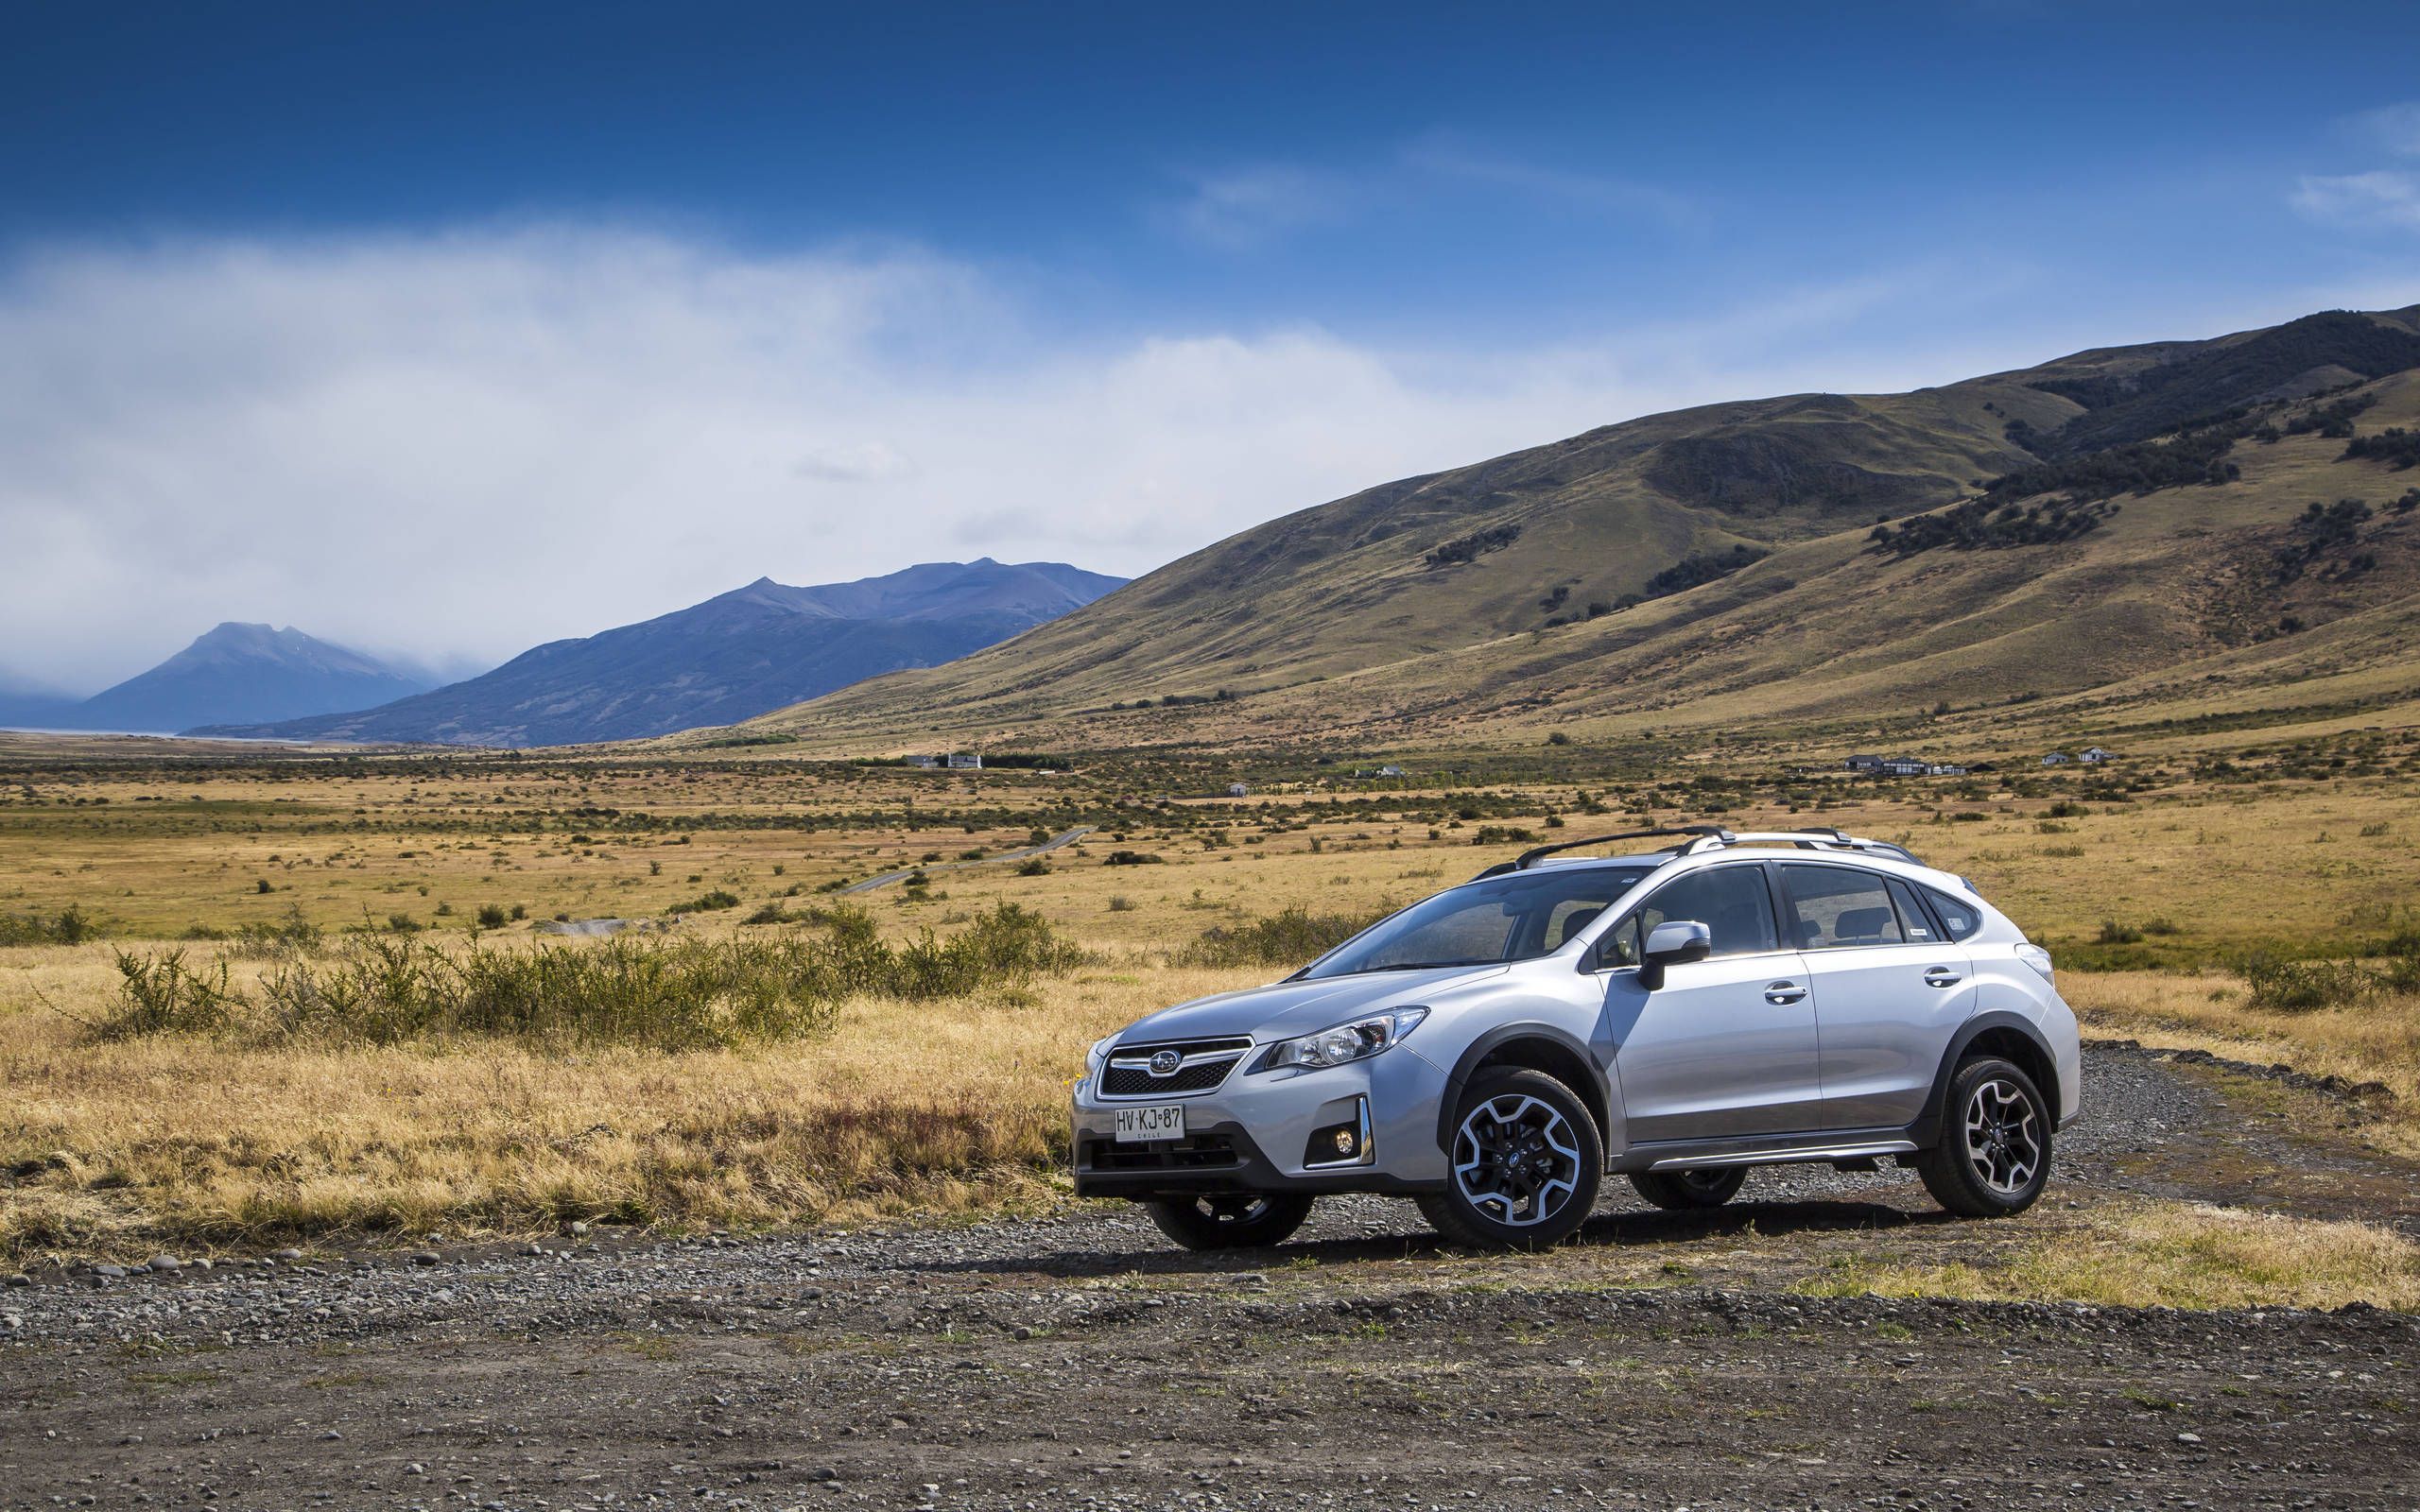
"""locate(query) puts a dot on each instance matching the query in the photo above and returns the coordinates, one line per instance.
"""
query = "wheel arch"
(1539, 1047)
(2013, 1037)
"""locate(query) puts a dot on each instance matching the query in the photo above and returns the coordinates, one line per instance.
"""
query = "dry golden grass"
(926, 1106)
(2173, 1255)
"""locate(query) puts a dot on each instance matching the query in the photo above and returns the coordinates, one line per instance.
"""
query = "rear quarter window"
(1961, 918)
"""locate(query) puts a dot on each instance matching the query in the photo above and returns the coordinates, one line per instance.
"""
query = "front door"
(1889, 990)
(1726, 1046)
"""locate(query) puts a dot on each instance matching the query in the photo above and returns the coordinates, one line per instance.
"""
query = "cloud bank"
(457, 446)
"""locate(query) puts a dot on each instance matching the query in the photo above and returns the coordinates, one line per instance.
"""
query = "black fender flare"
(1925, 1130)
(1597, 1095)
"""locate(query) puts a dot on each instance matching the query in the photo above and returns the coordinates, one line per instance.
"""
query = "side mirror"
(1673, 942)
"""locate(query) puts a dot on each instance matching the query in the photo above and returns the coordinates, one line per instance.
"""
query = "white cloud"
(1245, 208)
(2395, 127)
(462, 445)
(2380, 198)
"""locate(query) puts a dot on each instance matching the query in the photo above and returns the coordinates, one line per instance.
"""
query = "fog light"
(1345, 1142)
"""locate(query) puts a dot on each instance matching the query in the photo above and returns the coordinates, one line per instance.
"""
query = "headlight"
(1092, 1056)
(2039, 958)
(1357, 1041)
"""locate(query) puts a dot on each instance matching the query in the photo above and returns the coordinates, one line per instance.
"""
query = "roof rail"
(1825, 839)
(1692, 833)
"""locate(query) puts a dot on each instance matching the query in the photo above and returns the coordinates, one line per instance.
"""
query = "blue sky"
(815, 292)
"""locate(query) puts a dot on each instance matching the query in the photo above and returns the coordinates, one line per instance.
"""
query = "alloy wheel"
(1516, 1159)
(2003, 1136)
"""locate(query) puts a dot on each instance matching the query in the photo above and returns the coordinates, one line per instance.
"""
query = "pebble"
(288, 1254)
(21, 1278)
(166, 1262)
(113, 1272)
(426, 1256)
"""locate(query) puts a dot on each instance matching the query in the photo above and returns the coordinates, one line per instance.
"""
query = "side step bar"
(1807, 1155)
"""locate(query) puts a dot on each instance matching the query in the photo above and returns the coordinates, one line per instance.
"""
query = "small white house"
(2095, 755)
(1865, 763)
(2057, 758)
(1948, 769)
(1391, 769)
(1238, 790)
(923, 762)
(1905, 766)
(965, 761)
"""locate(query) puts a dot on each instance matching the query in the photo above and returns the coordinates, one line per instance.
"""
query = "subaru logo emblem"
(1166, 1062)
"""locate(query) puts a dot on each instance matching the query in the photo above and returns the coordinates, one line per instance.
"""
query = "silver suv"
(1679, 1016)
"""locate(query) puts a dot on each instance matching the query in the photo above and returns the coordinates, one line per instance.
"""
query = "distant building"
(924, 763)
(1391, 769)
(1238, 790)
(2095, 755)
(965, 761)
(1905, 766)
(1865, 763)
(1948, 769)
(2057, 758)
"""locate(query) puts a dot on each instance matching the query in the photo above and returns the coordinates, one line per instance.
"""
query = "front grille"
(1205, 1064)
(1196, 1152)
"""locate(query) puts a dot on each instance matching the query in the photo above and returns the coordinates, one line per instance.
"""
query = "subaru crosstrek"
(1678, 1017)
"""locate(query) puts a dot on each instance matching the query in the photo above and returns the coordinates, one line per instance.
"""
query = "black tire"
(1533, 1161)
(1684, 1191)
(1239, 1220)
(1992, 1157)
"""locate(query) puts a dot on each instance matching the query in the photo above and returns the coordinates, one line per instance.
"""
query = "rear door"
(1726, 1046)
(1889, 990)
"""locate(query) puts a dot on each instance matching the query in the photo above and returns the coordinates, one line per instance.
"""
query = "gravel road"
(1076, 1361)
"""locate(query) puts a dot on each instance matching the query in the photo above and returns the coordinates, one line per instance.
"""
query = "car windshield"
(1482, 924)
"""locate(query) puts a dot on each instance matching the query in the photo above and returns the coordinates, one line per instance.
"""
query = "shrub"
(71, 925)
(1133, 858)
(706, 903)
(285, 936)
(1120, 904)
(661, 993)
(2113, 933)
(161, 994)
(1290, 938)
(491, 916)
(1035, 867)
(2304, 987)
(1501, 835)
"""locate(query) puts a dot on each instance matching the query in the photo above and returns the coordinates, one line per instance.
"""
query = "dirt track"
(1078, 1362)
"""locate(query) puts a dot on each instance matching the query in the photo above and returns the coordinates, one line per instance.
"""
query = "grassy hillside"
(2124, 534)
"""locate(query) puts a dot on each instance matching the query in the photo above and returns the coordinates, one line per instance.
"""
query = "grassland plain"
(2153, 879)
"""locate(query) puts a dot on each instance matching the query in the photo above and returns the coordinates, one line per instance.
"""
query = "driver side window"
(1734, 903)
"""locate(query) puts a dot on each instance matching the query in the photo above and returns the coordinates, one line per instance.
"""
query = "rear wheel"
(1526, 1163)
(1238, 1220)
(1992, 1157)
(1684, 1190)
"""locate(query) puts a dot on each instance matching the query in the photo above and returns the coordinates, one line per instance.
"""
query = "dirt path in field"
(1076, 1361)
(1067, 837)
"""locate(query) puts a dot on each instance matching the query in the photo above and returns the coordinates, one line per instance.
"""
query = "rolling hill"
(739, 654)
(233, 673)
(2135, 522)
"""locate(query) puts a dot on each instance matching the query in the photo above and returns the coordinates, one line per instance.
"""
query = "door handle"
(1781, 994)
(1941, 976)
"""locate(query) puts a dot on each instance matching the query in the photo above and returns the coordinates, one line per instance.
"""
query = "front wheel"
(1525, 1163)
(1241, 1220)
(1993, 1155)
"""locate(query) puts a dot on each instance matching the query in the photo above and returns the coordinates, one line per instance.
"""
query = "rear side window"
(1837, 908)
(1912, 917)
(1961, 920)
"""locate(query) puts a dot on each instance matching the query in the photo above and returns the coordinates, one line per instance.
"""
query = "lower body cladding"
(1364, 1126)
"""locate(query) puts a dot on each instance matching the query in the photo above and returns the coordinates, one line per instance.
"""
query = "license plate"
(1164, 1120)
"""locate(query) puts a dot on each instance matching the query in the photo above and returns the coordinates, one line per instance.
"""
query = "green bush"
(709, 903)
(71, 925)
(661, 993)
(2113, 933)
(2304, 987)
(161, 994)
(1294, 938)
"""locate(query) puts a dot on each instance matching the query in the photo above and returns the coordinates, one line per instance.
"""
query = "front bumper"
(1248, 1134)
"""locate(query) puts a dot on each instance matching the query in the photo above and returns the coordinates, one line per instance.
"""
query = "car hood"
(1285, 1009)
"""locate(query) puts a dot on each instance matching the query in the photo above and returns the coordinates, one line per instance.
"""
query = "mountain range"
(734, 656)
(235, 672)
(2176, 531)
